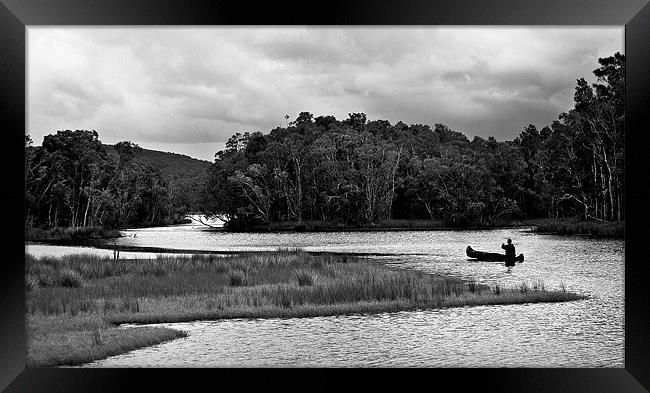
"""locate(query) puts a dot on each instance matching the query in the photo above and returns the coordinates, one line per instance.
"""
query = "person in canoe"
(510, 253)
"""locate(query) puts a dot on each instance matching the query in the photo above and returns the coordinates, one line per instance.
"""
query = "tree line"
(350, 172)
(356, 172)
(71, 181)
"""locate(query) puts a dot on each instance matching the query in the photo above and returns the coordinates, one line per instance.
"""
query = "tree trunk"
(610, 213)
(392, 195)
(603, 192)
(86, 212)
(594, 168)
(298, 168)
(77, 204)
(618, 211)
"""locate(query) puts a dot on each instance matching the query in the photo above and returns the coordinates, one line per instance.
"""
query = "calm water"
(587, 333)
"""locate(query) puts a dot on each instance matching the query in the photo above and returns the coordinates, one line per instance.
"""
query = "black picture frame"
(16, 15)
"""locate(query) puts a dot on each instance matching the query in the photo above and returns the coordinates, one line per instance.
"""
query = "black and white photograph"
(325, 196)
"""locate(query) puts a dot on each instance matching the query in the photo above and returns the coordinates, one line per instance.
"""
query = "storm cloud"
(188, 89)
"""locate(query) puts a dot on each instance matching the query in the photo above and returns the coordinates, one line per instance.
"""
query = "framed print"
(211, 186)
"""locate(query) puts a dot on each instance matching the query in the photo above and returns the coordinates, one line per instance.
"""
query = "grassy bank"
(65, 339)
(70, 234)
(614, 229)
(72, 301)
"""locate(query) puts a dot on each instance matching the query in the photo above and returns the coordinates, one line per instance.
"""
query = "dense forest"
(185, 176)
(355, 172)
(73, 180)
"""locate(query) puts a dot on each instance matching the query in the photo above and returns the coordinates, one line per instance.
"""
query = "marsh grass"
(39, 234)
(238, 278)
(305, 277)
(286, 283)
(78, 347)
(282, 279)
(614, 229)
(70, 278)
(97, 336)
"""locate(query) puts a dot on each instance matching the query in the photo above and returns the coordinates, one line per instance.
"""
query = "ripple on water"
(586, 333)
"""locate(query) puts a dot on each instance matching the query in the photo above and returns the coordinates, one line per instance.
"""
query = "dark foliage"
(353, 172)
(73, 180)
(185, 176)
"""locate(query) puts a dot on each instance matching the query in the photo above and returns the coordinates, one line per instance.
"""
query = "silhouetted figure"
(510, 253)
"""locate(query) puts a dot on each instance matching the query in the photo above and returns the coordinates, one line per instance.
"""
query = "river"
(585, 333)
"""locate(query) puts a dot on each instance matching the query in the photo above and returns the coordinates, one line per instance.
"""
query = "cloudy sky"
(187, 90)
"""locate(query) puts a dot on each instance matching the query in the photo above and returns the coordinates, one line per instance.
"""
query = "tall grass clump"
(44, 274)
(474, 286)
(304, 277)
(97, 336)
(70, 278)
(290, 250)
(238, 278)
(155, 267)
(31, 282)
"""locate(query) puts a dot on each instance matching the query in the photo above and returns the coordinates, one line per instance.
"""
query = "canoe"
(489, 256)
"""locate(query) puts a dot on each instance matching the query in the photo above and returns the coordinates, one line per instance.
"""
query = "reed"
(237, 278)
(305, 277)
(281, 279)
(78, 347)
(286, 283)
(63, 233)
(613, 229)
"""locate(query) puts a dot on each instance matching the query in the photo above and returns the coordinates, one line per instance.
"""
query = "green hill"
(186, 175)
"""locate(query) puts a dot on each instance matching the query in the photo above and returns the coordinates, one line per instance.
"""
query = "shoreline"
(432, 226)
(87, 299)
(338, 310)
(560, 227)
(162, 250)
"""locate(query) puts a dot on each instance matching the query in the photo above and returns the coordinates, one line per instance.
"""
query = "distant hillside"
(184, 174)
(172, 165)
